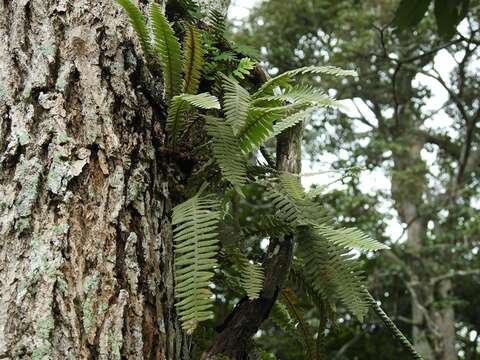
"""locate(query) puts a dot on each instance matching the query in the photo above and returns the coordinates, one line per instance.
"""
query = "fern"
(332, 272)
(251, 278)
(139, 24)
(168, 50)
(283, 80)
(219, 26)
(243, 68)
(192, 61)
(180, 106)
(236, 103)
(195, 237)
(258, 128)
(227, 151)
(349, 238)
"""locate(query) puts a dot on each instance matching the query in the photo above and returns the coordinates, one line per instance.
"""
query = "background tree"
(433, 170)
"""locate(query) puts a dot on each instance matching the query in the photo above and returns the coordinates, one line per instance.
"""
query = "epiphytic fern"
(196, 244)
(245, 65)
(236, 102)
(285, 79)
(350, 238)
(138, 22)
(192, 61)
(180, 106)
(332, 271)
(251, 278)
(168, 49)
(227, 151)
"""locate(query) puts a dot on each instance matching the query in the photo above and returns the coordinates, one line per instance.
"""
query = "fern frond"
(192, 61)
(245, 65)
(332, 271)
(299, 93)
(236, 103)
(292, 120)
(296, 313)
(138, 22)
(180, 106)
(168, 50)
(218, 23)
(251, 278)
(284, 79)
(226, 151)
(195, 237)
(257, 129)
(350, 238)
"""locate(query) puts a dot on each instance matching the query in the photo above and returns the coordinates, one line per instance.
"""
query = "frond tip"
(138, 22)
(192, 61)
(168, 50)
(195, 238)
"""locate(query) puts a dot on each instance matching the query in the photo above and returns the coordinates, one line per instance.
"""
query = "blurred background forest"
(400, 161)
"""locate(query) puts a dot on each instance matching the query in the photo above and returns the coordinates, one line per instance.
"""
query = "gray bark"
(86, 258)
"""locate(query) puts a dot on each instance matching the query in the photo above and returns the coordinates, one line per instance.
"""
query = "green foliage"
(333, 272)
(192, 61)
(285, 79)
(244, 123)
(138, 22)
(236, 102)
(168, 49)
(196, 245)
(251, 278)
(180, 107)
(244, 67)
(227, 151)
(448, 14)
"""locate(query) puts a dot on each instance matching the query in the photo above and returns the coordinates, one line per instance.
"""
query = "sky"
(377, 180)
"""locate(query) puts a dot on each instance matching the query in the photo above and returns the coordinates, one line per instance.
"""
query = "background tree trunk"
(86, 261)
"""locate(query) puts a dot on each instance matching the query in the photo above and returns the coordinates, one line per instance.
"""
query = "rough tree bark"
(86, 263)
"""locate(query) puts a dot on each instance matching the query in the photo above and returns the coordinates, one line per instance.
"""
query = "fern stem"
(407, 345)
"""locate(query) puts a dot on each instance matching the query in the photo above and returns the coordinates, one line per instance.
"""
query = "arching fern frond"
(192, 61)
(251, 278)
(180, 106)
(226, 151)
(138, 22)
(236, 103)
(350, 238)
(283, 80)
(195, 237)
(332, 271)
(168, 50)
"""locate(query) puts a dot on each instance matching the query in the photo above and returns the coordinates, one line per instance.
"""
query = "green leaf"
(168, 50)
(448, 13)
(243, 68)
(192, 61)
(410, 13)
(180, 107)
(251, 278)
(287, 77)
(257, 129)
(236, 103)
(226, 151)
(138, 22)
(332, 272)
(350, 238)
(195, 237)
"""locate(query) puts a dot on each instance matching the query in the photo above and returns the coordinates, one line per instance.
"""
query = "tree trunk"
(433, 329)
(86, 258)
